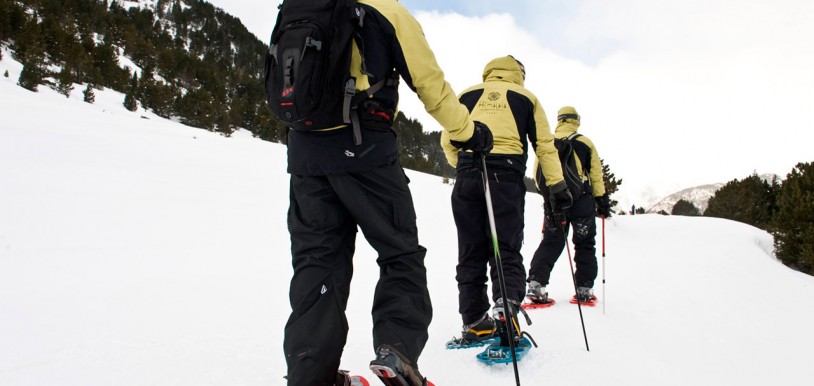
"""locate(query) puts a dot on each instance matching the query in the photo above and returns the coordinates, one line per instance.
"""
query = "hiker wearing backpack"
(332, 74)
(516, 118)
(583, 173)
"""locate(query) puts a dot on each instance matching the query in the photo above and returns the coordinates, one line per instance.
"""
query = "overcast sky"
(673, 93)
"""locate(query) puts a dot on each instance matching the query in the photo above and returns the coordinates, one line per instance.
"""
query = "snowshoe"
(585, 296)
(537, 297)
(461, 343)
(497, 354)
(477, 334)
(501, 351)
(531, 305)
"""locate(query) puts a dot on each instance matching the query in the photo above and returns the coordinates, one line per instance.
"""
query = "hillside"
(180, 59)
(138, 251)
(698, 196)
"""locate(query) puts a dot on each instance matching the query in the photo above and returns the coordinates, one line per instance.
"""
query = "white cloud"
(693, 93)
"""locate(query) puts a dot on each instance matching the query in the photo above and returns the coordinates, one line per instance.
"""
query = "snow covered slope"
(137, 251)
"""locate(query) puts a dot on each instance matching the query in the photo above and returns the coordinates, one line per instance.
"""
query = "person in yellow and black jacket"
(516, 119)
(338, 183)
(581, 216)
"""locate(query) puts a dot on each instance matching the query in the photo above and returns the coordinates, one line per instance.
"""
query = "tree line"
(197, 64)
(786, 210)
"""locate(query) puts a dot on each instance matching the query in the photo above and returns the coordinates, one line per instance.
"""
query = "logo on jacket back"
(493, 104)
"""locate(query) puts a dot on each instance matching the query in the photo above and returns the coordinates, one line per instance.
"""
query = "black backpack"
(567, 149)
(308, 82)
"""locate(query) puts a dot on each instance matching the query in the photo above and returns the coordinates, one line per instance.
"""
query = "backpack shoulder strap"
(352, 98)
(582, 151)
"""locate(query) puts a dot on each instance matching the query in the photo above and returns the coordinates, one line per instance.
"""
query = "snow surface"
(138, 251)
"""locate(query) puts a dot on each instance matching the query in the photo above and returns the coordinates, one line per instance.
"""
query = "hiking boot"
(501, 321)
(585, 294)
(498, 311)
(481, 330)
(537, 293)
(394, 369)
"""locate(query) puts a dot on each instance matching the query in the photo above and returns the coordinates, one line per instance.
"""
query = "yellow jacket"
(394, 42)
(414, 61)
(566, 128)
(514, 116)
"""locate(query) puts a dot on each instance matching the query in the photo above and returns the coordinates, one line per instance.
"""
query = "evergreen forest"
(190, 61)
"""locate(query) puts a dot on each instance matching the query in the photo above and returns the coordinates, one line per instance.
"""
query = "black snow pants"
(323, 217)
(581, 218)
(475, 248)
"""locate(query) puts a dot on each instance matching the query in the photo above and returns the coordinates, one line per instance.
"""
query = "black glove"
(560, 197)
(603, 205)
(480, 142)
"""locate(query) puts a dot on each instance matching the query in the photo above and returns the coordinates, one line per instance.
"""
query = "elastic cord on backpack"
(350, 113)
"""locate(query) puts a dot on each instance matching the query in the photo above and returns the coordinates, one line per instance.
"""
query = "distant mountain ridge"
(698, 196)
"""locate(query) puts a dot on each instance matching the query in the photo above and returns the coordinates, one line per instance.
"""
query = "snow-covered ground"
(138, 251)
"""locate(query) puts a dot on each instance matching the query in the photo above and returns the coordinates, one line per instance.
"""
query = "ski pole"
(501, 280)
(604, 295)
(574, 279)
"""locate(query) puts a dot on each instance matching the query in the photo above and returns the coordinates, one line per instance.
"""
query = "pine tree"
(65, 82)
(5, 22)
(134, 84)
(31, 76)
(751, 201)
(685, 208)
(130, 101)
(89, 95)
(793, 228)
(6, 74)
(197, 109)
(161, 98)
(264, 126)
(12, 18)
(30, 51)
(611, 183)
(223, 125)
(106, 62)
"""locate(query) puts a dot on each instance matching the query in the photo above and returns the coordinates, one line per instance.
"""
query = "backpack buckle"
(350, 91)
(310, 42)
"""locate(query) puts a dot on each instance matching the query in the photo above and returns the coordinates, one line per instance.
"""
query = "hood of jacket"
(504, 68)
(566, 128)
